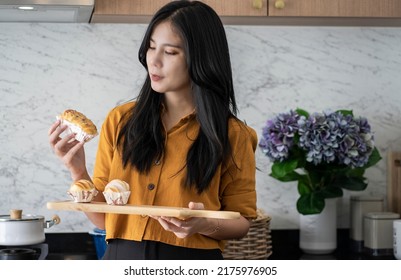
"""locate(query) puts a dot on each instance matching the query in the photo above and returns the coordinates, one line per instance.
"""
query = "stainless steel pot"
(17, 229)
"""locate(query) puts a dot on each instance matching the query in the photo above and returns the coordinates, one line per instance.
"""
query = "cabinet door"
(238, 7)
(129, 10)
(127, 7)
(335, 8)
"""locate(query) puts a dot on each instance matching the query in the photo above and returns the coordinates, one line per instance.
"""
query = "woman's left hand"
(184, 228)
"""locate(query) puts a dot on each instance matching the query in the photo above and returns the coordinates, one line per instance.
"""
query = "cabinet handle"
(279, 4)
(257, 4)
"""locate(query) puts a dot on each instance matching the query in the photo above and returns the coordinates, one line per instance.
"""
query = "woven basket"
(256, 245)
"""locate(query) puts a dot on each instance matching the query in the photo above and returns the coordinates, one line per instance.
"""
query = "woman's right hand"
(70, 151)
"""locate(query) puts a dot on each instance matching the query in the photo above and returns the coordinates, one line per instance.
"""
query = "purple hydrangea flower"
(328, 137)
(319, 136)
(278, 136)
(357, 144)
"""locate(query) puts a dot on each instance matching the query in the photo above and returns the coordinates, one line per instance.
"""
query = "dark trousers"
(120, 249)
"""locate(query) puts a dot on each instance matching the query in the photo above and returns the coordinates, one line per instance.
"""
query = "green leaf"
(332, 192)
(312, 203)
(315, 176)
(292, 176)
(354, 183)
(303, 188)
(281, 169)
(356, 172)
(373, 159)
(345, 112)
(302, 112)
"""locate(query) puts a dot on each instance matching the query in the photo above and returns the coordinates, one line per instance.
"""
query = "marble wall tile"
(46, 68)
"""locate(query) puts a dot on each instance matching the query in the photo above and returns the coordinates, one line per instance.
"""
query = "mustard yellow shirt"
(232, 188)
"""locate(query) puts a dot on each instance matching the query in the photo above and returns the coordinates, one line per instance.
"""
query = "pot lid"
(16, 216)
(382, 215)
(24, 218)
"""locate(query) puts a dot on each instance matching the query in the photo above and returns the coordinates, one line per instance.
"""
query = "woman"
(178, 144)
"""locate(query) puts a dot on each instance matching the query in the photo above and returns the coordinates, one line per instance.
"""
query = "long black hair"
(209, 67)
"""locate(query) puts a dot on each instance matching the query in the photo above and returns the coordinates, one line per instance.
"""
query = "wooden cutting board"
(102, 207)
(394, 182)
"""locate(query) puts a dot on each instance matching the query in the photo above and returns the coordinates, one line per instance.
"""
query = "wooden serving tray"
(103, 207)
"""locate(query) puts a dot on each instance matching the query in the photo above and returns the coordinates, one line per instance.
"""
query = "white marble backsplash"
(46, 68)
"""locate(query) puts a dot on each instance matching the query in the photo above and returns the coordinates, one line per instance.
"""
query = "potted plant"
(325, 152)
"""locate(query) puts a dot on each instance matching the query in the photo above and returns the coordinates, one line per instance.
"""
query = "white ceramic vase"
(318, 232)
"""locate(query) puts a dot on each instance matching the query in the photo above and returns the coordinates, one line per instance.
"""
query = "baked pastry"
(117, 192)
(117, 185)
(79, 124)
(82, 185)
(82, 191)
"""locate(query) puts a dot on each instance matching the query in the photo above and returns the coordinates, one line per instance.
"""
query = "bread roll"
(117, 192)
(82, 191)
(117, 185)
(82, 185)
(79, 124)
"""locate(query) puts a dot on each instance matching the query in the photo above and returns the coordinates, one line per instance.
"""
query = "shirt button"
(151, 187)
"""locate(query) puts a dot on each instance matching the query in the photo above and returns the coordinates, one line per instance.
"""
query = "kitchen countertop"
(286, 247)
(80, 246)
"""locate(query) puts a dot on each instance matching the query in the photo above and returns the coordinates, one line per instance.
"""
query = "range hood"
(46, 10)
